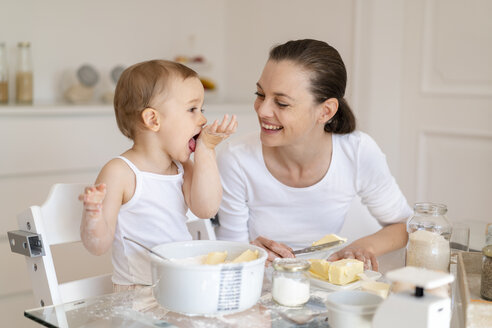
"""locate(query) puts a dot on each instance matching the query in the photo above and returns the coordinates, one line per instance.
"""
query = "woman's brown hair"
(328, 77)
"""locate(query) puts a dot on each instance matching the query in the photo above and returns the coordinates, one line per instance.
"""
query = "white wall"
(235, 36)
(254, 26)
(67, 34)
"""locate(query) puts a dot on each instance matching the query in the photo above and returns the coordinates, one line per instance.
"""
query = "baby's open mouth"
(192, 142)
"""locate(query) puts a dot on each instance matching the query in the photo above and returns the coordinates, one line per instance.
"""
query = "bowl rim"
(360, 309)
(155, 260)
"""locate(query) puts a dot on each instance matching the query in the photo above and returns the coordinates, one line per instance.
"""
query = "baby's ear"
(150, 118)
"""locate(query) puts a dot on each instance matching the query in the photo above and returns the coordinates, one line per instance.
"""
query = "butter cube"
(328, 238)
(345, 271)
(319, 268)
(246, 256)
(215, 257)
(376, 287)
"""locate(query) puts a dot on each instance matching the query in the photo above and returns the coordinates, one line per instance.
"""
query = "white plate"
(372, 275)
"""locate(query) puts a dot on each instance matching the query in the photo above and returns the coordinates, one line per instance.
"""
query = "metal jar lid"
(487, 251)
(291, 264)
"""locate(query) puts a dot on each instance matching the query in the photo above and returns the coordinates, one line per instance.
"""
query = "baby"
(144, 194)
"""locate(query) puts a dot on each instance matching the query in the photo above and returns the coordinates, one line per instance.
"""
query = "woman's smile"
(271, 127)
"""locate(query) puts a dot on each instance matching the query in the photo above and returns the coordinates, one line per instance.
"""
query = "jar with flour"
(429, 232)
(290, 283)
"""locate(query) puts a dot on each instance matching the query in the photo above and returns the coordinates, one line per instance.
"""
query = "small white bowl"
(352, 308)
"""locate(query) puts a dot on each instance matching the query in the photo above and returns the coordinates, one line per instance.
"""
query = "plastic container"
(351, 308)
(290, 282)
(429, 233)
(198, 289)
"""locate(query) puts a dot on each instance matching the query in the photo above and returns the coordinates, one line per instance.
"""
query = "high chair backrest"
(57, 221)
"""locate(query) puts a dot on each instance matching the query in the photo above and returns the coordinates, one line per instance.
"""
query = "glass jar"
(429, 232)
(488, 234)
(23, 78)
(4, 75)
(290, 282)
(486, 277)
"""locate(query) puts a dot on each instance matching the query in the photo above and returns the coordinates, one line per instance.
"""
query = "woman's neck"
(300, 165)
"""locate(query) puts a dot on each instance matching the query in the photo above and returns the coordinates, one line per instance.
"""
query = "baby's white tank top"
(156, 214)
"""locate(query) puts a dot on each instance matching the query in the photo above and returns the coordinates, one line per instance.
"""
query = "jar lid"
(430, 208)
(24, 44)
(290, 264)
(487, 251)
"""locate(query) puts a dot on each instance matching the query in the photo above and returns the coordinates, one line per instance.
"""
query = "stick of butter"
(376, 287)
(215, 257)
(246, 256)
(345, 271)
(328, 238)
(319, 268)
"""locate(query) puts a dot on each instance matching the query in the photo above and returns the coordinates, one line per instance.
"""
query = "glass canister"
(4, 75)
(429, 232)
(486, 277)
(290, 282)
(23, 77)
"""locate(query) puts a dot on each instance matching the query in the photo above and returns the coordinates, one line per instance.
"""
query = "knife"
(318, 247)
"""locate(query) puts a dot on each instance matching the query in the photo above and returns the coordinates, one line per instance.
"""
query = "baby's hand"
(93, 197)
(212, 135)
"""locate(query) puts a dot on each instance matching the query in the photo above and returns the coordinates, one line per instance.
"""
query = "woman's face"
(285, 106)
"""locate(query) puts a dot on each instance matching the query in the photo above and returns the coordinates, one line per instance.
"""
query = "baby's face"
(181, 116)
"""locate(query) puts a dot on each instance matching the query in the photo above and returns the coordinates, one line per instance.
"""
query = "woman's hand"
(273, 249)
(212, 135)
(358, 253)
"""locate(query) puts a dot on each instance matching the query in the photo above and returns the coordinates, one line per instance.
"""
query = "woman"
(295, 183)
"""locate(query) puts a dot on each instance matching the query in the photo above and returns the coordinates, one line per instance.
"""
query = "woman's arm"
(366, 249)
(381, 194)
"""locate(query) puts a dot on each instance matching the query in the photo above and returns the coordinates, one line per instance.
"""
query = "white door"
(424, 91)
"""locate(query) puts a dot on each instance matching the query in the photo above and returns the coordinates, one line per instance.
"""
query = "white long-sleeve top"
(256, 204)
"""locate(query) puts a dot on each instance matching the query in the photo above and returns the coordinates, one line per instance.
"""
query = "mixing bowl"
(188, 287)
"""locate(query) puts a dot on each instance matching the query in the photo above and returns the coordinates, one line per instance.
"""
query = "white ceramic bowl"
(197, 289)
(352, 308)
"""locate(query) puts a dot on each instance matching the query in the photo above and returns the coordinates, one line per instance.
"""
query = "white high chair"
(56, 222)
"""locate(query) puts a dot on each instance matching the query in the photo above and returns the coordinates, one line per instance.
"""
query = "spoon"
(145, 247)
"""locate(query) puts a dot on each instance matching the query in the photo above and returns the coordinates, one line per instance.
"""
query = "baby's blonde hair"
(138, 85)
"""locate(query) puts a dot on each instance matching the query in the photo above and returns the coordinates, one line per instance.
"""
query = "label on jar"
(428, 250)
(230, 288)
